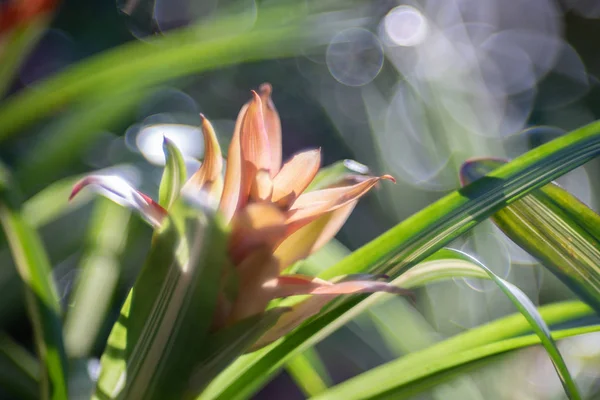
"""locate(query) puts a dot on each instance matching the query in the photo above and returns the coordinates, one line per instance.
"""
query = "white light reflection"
(354, 57)
(187, 138)
(405, 26)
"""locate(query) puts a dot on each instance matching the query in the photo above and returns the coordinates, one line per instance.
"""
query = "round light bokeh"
(405, 26)
(354, 57)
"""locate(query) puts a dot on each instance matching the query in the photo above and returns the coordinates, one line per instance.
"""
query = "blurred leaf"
(16, 45)
(137, 65)
(100, 270)
(408, 243)
(41, 296)
(554, 226)
(309, 372)
(174, 175)
(64, 139)
(51, 203)
(416, 372)
(19, 370)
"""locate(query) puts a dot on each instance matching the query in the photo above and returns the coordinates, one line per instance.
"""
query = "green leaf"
(19, 370)
(416, 372)
(100, 271)
(50, 203)
(224, 346)
(309, 372)
(529, 311)
(247, 374)
(64, 139)
(174, 175)
(138, 65)
(411, 241)
(41, 296)
(166, 318)
(555, 227)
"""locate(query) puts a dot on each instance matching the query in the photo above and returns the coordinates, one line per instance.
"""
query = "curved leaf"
(41, 295)
(554, 226)
(529, 311)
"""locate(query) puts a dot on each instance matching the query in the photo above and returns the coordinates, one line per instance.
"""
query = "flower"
(15, 13)
(275, 221)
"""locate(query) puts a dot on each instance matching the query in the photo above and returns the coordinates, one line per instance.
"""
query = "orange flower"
(274, 220)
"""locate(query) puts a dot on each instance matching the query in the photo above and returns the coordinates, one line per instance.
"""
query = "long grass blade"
(41, 296)
(408, 375)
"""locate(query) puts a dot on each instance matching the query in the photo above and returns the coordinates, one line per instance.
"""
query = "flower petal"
(311, 306)
(309, 206)
(312, 236)
(293, 285)
(208, 176)
(254, 143)
(233, 173)
(272, 125)
(257, 225)
(295, 176)
(118, 190)
(258, 268)
(262, 187)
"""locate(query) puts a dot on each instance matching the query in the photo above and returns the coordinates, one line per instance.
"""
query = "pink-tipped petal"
(118, 190)
(295, 176)
(254, 144)
(310, 206)
(272, 125)
(292, 285)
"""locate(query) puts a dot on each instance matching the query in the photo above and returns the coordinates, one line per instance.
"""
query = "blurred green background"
(412, 89)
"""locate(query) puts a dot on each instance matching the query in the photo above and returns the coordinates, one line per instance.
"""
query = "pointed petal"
(118, 190)
(257, 225)
(295, 176)
(312, 236)
(254, 143)
(208, 176)
(292, 285)
(309, 206)
(233, 173)
(272, 125)
(258, 268)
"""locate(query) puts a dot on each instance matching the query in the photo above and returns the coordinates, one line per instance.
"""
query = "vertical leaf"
(41, 296)
(174, 175)
(98, 279)
(165, 320)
